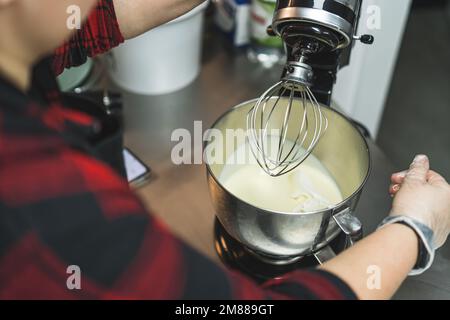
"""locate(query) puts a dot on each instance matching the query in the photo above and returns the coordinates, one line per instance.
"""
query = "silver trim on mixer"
(317, 17)
(299, 72)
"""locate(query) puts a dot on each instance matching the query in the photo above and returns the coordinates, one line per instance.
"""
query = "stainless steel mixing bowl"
(280, 236)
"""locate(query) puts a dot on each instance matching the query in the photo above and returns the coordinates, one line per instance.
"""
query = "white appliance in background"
(163, 60)
(362, 87)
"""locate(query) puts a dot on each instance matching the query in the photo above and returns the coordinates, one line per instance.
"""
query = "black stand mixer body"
(321, 32)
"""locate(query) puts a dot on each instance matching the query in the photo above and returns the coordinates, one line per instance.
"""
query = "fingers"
(432, 177)
(393, 189)
(399, 177)
(418, 170)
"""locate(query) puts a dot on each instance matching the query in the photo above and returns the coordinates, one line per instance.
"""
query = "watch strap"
(426, 243)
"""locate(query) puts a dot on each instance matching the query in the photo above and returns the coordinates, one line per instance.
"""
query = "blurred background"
(417, 111)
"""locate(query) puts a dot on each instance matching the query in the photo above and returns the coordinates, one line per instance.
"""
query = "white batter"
(310, 187)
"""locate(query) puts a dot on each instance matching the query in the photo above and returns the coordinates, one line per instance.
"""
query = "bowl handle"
(350, 225)
(353, 230)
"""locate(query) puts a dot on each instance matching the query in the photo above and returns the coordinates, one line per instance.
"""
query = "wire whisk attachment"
(286, 123)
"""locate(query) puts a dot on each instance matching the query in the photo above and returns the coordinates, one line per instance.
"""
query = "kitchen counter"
(179, 194)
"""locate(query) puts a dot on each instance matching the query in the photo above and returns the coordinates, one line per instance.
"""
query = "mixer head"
(316, 33)
(328, 23)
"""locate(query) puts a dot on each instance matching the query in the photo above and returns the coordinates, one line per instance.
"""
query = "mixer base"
(257, 266)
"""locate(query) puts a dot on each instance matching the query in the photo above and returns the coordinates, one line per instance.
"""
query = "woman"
(60, 206)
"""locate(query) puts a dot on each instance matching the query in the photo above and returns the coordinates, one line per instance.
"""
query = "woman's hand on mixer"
(424, 195)
(138, 16)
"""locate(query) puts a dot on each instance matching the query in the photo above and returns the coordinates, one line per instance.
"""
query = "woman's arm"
(138, 16)
(389, 253)
(113, 21)
(419, 194)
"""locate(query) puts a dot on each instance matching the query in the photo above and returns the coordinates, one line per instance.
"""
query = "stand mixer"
(318, 36)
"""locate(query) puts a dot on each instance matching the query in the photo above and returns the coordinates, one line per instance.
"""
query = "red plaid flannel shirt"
(61, 207)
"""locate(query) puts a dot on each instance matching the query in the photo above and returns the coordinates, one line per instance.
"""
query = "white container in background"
(163, 60)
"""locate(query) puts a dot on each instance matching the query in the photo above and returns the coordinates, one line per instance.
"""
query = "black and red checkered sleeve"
(99, 34)
(61, 208)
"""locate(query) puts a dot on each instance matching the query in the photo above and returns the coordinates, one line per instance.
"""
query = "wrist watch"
(426, 244)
